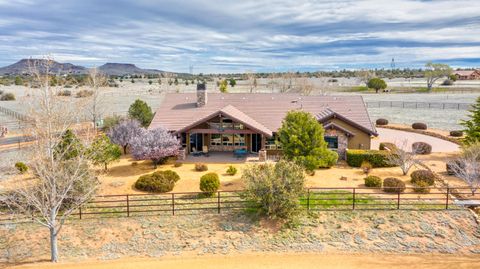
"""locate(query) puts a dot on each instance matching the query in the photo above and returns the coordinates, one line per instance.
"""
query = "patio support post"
(187, 148)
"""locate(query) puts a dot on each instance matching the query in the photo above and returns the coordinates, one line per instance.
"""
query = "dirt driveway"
(277, 261)
(398, 137)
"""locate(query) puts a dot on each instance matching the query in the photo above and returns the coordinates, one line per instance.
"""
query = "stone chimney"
(201, 94)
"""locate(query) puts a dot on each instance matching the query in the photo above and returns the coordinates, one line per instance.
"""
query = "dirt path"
(274, 261)
(398, 137)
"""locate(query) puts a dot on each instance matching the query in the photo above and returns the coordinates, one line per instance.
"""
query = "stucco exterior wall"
(361, 140)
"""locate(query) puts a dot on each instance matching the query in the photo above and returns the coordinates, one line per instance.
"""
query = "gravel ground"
(200, 234)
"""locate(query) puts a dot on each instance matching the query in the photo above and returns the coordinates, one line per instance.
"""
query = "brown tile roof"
(179, 110)
(464, 72)
(235, 114)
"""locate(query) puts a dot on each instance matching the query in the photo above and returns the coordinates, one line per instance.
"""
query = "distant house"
(232, 121)
(467, 74)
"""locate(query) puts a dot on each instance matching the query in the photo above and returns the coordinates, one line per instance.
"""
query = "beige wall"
(361, 140)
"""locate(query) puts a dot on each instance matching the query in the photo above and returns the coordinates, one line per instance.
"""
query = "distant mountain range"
(112, 69)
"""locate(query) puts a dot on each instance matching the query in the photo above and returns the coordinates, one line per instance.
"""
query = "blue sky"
(243, 35)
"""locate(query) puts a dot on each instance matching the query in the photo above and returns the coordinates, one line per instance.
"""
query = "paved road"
(398, 137)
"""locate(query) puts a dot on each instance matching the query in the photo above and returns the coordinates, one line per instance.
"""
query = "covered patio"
(221, 157)
(227, 130)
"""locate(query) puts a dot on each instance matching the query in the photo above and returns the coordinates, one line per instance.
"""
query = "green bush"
(209, 183)
(177, 164)
(377, 158)
(329, 159)
(275, 189)
(373, 181)
(387, 146)
(21, 167)
(423, 175)
(201, 167)
(160, 181)
(231, 170)
(7, 97)
(395, 185)
(421, 187)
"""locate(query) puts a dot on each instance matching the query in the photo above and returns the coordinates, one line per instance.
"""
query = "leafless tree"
(365, 75)
(467, 166)
(287, 81)
(403, 158)
(96, 109)
(304, 85)
(58, 185)
(252, 80)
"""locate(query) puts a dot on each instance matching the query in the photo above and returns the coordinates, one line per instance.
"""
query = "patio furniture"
(240, 153)
(196, 153)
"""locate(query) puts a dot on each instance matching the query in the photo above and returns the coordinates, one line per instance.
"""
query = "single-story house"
(467, 74)
(231, 121)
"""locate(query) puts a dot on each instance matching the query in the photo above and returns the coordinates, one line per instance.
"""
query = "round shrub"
(394, 185)
(421, 148)
(456, 133)
(231, 170)
(381, 122)
(373, 181)
(160, 181)
(21, 167)
(419, 126)
(423, 175)
(177, 164)
(421, 187)
(7, 97)
(387, 146)
(209, 183)
(201, 167)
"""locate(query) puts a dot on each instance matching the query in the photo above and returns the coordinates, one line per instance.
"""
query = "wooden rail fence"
(315, 199)
(419, 105)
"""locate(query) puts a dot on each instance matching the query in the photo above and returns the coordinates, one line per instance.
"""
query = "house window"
(272, 143)
(239, 139)
(227, 124)
(332, 142)
(227, 140)
(216, 140)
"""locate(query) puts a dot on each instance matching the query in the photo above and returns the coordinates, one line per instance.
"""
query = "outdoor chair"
(205, 151)
(196, 153)
(240, 153)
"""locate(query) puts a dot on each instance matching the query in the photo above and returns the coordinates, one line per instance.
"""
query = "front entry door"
(196, 142)
(256, 142)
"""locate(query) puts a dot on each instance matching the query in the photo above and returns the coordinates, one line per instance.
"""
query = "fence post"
(173, 204)
(218, 201)
(353, 201)
(308, 200)
(80, 212)
(398, 200)
(446, 200)
(128, 206)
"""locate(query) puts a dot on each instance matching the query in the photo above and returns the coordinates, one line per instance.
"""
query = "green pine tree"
(302, 140)
(140, 111)
(103, 151)
(69, 146)
(472, 126)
